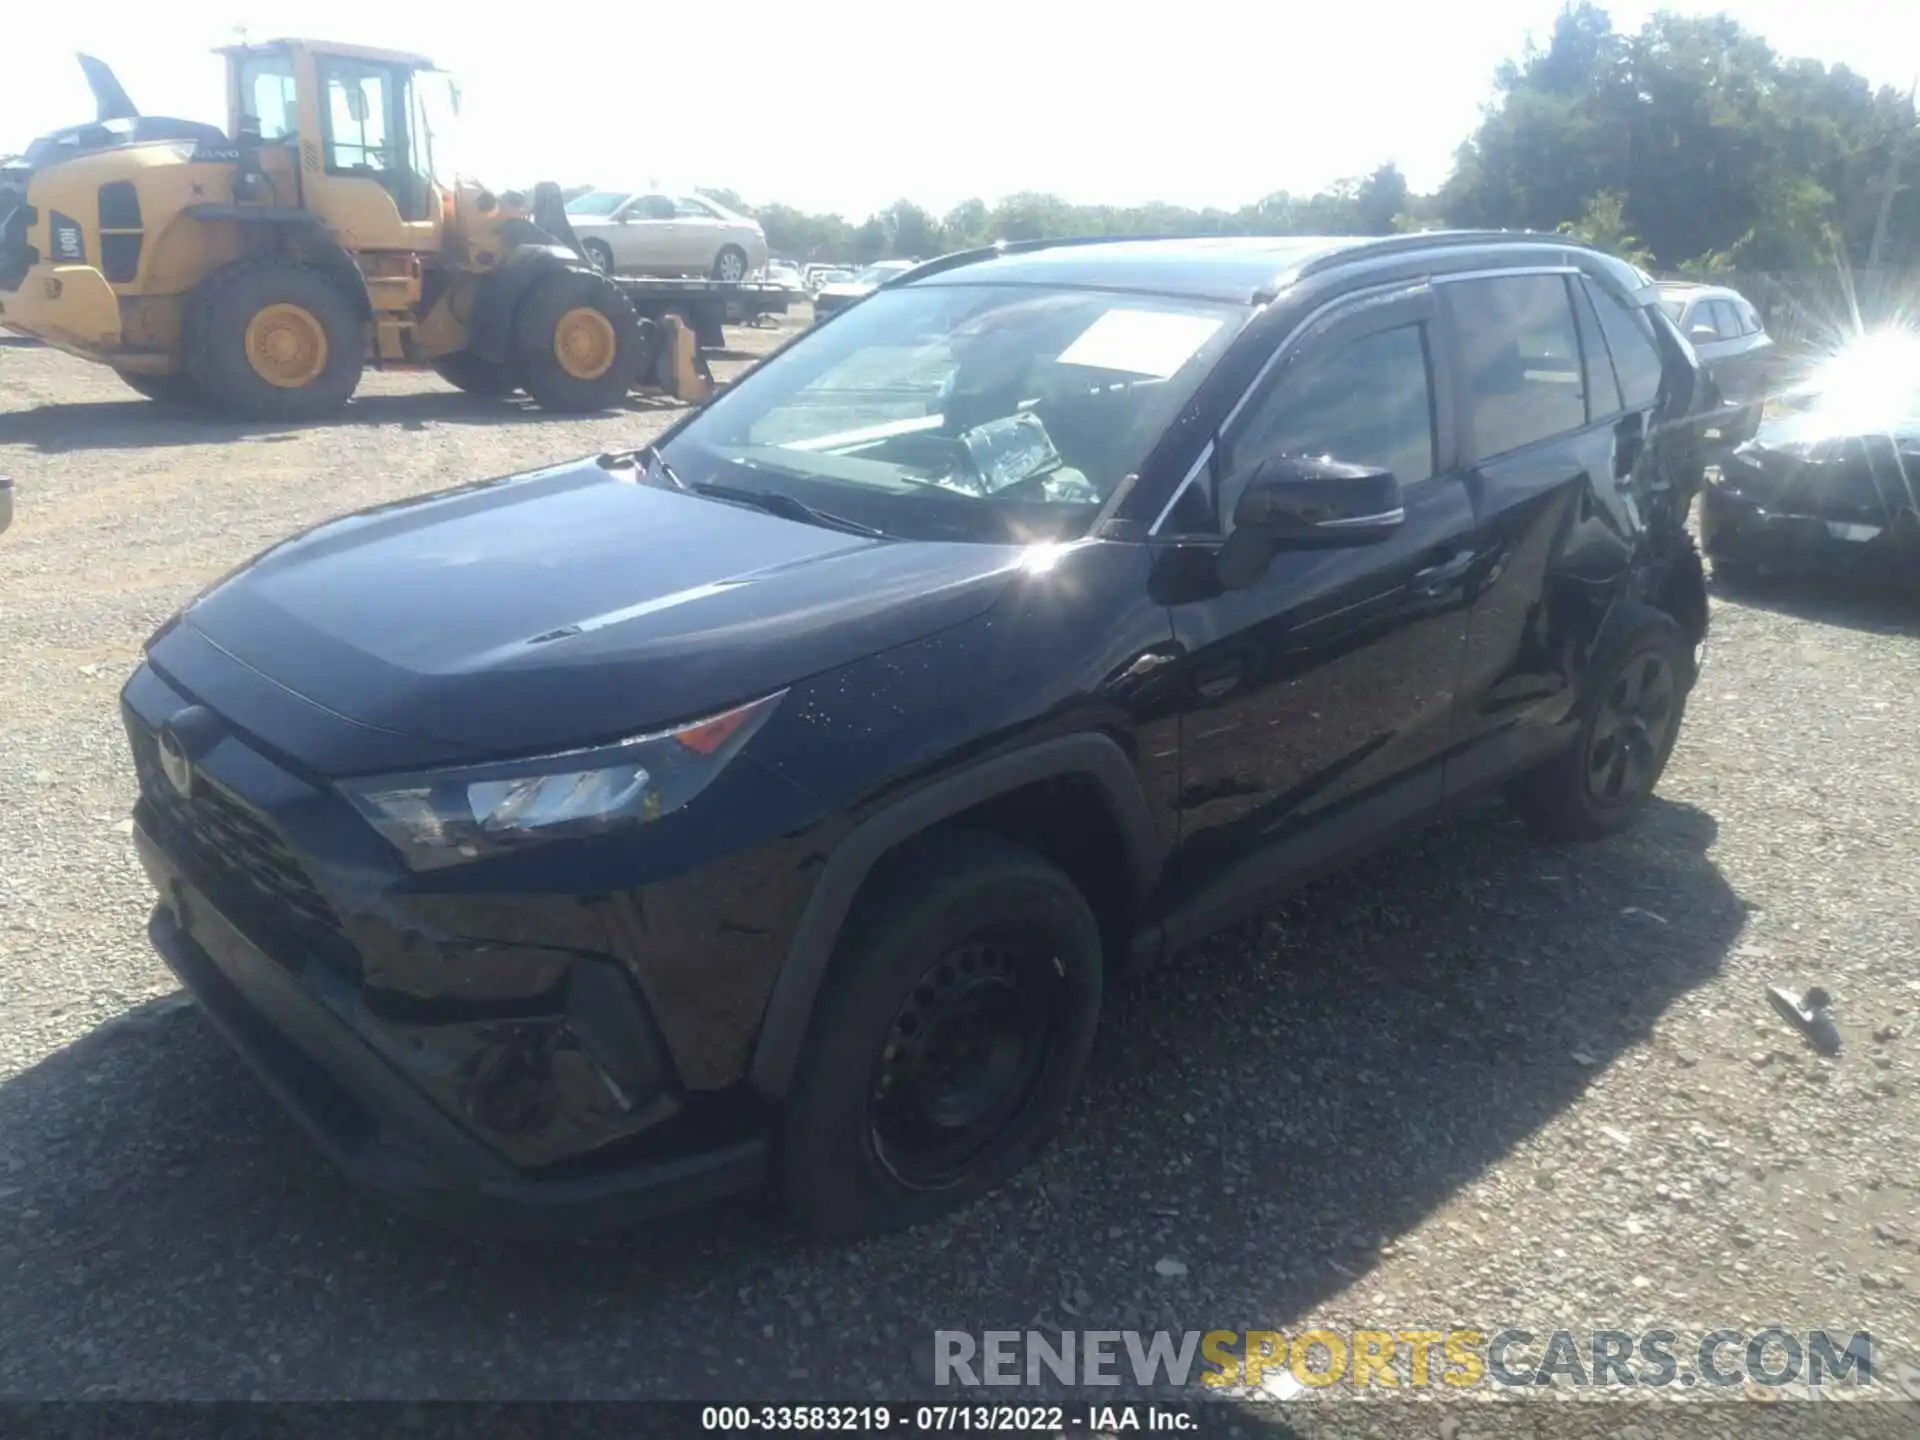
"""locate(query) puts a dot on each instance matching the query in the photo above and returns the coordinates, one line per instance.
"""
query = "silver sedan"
(654, 233)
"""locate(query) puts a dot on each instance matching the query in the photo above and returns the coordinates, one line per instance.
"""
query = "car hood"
(1805, 463)
(570, 606)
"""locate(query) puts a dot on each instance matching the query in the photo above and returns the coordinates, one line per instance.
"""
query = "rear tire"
(601, 254)
(490, 379)
(730, 265)
(577, 344)
(273, 340)
(176, 391)
(1599, 785)
(947, 1039)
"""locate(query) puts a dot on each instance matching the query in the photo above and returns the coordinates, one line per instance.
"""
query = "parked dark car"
(1829, 485)
(777, 801)
(1741, 359)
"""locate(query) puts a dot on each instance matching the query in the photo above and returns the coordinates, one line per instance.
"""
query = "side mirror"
(1293, 502)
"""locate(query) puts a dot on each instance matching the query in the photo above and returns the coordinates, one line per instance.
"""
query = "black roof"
(1235, 268)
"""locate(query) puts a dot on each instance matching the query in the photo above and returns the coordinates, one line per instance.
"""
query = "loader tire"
(491, 379)
(273, 340)
(577, 345)
(176, 391)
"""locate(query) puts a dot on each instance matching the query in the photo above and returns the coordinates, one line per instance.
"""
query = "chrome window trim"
(1454, 276)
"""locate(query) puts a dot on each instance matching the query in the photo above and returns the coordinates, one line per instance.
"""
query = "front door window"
(367, 110)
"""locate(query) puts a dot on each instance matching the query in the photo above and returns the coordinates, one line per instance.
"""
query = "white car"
(787, 277)
(654, 233)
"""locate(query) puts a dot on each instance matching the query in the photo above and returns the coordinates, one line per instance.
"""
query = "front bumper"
(1735, 530)
(299, 1033)
(538, 1052)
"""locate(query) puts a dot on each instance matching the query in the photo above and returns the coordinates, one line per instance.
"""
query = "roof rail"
(1387, 245)
(940, 264)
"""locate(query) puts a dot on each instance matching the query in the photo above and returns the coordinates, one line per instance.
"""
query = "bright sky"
(847, 106)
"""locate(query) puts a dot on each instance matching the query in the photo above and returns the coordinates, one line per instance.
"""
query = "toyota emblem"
(175, 763)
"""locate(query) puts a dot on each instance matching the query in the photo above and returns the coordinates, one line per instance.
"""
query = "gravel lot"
(1473, 1082)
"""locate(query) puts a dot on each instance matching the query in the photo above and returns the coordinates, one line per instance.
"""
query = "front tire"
(577, 344)
(947, 1040)
(730, 265)
(1599, 785)
(273, 340)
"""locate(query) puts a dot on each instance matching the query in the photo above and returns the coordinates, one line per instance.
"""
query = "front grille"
(242, 862)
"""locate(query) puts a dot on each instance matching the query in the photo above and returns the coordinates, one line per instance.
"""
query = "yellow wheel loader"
(257, 271)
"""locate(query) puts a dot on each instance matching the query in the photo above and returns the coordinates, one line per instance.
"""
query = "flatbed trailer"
(706, 306)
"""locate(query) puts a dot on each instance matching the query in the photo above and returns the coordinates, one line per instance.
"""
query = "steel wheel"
(584, 343)
(962, 1058)
(287, 346)
(1631, 731)
(730, 266)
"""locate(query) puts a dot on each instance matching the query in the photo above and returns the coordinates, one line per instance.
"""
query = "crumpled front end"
(1845, 505)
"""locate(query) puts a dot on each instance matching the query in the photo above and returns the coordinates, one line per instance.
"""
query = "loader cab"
(361, 137)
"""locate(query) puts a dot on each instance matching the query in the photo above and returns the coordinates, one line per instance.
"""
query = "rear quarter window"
(1630, 343)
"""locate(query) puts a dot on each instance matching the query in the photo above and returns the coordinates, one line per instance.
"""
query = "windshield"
(267, 95)
(597, 202)
(992, 413)
(438, 96)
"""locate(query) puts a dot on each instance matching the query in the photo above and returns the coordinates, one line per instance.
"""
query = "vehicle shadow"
(1272, 1108)
(1843, 601)
(142, 424)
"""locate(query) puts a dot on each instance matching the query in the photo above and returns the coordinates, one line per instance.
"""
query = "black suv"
(775, 801)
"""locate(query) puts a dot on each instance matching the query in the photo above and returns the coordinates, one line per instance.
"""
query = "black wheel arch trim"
(1625, 618)
(1096, 757)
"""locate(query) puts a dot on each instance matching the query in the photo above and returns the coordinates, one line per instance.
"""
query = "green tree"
(870, 240)
(911, 232)
(1604, 224)
(967, 226)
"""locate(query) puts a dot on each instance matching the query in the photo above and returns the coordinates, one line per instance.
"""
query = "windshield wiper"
(787, 507)
(647, 457)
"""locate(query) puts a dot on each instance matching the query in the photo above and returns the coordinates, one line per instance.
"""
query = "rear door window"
(1726, 320)
(1519, 355)
(1630, 343)
(1749, 320)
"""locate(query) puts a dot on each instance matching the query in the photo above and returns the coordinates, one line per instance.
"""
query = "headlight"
(448, 817)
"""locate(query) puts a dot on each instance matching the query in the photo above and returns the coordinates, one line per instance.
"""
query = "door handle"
(1435, 578)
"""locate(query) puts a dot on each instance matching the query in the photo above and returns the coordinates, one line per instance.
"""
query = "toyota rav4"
(773, 803)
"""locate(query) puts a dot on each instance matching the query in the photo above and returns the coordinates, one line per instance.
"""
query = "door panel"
(702, 233)
(649, 236)
(1552, 514)
(1329, 680)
